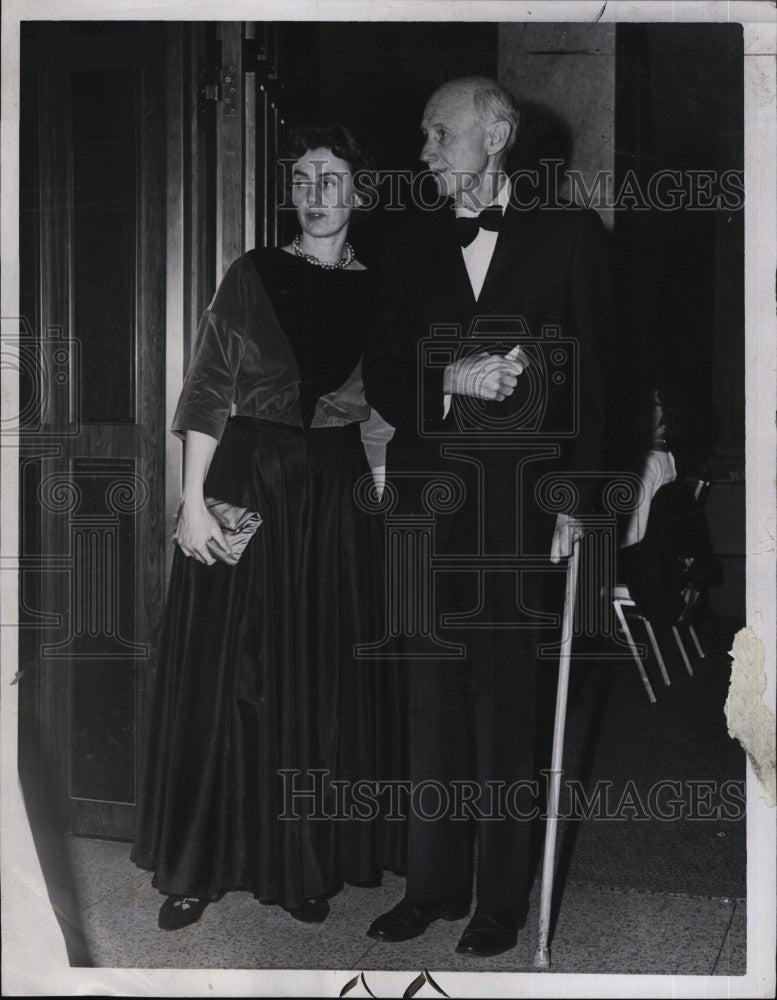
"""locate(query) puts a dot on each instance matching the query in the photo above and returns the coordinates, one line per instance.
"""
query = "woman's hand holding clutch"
(196, 526)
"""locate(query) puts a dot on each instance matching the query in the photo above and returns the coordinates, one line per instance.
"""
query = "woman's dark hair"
(683, 434)
(343, 143)
(340, 139)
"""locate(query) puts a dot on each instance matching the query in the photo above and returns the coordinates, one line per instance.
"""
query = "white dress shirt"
(477, 256)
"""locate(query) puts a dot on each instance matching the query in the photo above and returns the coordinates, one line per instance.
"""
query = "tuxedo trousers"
(472, 723)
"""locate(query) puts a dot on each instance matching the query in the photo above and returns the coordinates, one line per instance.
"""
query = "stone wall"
(566, 73)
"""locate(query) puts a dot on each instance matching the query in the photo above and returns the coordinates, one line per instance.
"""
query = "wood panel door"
(92, 455)
(148, 164)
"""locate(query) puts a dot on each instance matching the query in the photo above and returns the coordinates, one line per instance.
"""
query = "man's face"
(454, 141)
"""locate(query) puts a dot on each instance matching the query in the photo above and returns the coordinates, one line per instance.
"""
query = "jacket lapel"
(511, 254)
(447, 272)
(444, 273)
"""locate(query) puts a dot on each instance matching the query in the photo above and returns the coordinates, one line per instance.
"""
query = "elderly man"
(485, 258)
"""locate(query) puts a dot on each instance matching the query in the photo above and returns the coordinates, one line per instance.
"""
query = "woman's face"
(323, 192)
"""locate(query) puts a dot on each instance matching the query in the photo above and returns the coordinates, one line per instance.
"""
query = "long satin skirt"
(259, 697)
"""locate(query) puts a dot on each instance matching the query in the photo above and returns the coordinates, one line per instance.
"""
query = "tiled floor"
(598, 930)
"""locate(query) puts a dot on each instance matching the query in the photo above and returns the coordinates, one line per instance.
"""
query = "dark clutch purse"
(238, 525)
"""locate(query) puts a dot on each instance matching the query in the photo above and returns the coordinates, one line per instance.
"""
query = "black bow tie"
(467, 227)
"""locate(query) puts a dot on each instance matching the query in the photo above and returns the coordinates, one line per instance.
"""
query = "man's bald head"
(469, 126)
(490, 101)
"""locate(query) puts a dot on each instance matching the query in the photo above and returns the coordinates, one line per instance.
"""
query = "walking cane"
(542, 954)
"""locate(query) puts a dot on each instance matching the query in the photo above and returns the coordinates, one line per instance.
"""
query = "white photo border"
(34, 956)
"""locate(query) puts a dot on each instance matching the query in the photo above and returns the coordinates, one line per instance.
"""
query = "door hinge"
(215, 84)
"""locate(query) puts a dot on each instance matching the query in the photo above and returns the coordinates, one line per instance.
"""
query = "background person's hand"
(485, 376)
(196, 525)
(568, 531)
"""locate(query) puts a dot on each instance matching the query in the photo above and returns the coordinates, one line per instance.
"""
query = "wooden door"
(147, 162)
(92, 452)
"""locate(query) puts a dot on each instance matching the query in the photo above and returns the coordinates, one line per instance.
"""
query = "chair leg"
(695, 638)
(657, 651)
(633, 647)
(684, 655)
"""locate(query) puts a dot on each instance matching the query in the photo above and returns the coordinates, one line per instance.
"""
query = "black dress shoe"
(315, 911)
(491, 933)
(410, 919)
(180, 911)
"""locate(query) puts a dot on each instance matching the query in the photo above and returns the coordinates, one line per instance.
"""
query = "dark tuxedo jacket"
(548, 287)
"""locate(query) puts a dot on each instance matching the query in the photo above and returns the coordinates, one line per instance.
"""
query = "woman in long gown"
(259, 696)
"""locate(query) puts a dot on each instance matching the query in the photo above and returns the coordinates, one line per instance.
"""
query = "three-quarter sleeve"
(209, 389)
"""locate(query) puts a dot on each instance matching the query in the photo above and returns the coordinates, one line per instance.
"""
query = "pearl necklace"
(325, 264)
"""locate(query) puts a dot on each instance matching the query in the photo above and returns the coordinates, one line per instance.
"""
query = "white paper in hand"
(518, 354)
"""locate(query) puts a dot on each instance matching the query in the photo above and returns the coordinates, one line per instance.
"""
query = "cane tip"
(541, 959)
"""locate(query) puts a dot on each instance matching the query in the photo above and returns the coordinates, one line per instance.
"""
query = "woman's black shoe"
(315, 911)
(180, 911)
